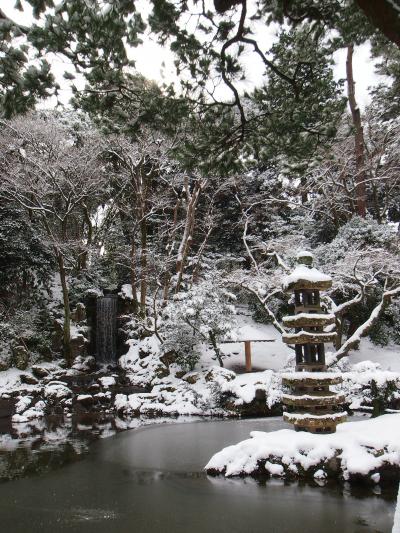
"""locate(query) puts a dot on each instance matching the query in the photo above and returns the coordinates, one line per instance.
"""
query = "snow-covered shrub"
(30, 328)
(142, 361)
(203, 314)
(183, 342)
(368, 386)
(84, 283)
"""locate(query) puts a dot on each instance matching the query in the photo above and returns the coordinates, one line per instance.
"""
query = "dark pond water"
(151, 480)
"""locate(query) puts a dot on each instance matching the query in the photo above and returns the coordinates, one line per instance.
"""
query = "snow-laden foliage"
(366, 385)
(387, 330)
(203, 314)
(361, 249)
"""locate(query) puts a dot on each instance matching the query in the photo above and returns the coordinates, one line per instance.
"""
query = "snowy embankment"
(210, 390)
(215, 392)
(207, 391)
(367, 450)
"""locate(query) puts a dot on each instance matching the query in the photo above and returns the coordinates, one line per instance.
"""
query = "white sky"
(156, 62)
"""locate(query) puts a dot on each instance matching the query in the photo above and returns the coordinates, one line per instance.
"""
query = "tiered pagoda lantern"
(311, 405)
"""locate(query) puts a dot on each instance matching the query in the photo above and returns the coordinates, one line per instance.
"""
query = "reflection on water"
(151, 480)
(45, 444)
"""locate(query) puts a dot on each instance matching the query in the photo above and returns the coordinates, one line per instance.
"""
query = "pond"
(151, 480)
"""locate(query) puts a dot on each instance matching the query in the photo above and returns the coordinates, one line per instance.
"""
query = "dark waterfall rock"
(7, 407)
(57, 336)
(79, 313)
(78, 346)
(20, 357)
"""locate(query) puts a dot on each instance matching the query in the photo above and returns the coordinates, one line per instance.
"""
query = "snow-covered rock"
(84, 364)
(36, 411)
(357, 449)
(56, 391)
(244, 387)
(107, 381)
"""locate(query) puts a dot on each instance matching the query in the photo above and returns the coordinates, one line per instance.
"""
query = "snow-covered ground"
(357, 448)
(264, 355)
(388, 357)
(274, 355)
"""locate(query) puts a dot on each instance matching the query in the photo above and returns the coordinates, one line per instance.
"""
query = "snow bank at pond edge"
(364, 449)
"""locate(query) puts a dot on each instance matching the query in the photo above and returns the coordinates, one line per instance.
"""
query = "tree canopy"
(296, 103)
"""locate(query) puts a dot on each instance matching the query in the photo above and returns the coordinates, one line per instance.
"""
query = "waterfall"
(106, 329)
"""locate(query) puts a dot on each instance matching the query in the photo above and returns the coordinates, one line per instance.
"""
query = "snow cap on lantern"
(305, 276)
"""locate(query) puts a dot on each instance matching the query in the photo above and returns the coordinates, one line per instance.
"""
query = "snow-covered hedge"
(368, 386)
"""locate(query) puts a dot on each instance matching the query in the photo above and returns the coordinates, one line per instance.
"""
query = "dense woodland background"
(198, 203)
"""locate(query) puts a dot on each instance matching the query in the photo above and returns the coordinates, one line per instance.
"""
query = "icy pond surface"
(151, 480)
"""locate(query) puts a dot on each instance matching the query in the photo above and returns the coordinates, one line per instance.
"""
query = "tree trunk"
(217, 351)
(339, 333)
(133, 275)
(197, 267)
(183, 249)
(85, 254)
(353, 341)
(377, 208)
(358, 137)
(143, 265)
(304, 194)
(67, 313)
(167, 279)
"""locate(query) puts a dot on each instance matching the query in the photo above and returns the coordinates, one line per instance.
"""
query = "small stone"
(161, 372)
(28, 379)
(376, 477)
(40, 371)
(85, 399)
(320, 474)
(191, 378)
(217, 372)
(107, 381)
(4, 364)
(56, 391)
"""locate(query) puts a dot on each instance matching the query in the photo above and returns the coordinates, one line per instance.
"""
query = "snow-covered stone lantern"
(311, 405)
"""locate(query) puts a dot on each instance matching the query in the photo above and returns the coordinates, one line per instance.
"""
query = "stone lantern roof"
(305, 276)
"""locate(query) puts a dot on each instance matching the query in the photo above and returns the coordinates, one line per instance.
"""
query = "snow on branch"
(263, 300)
(354, 340)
